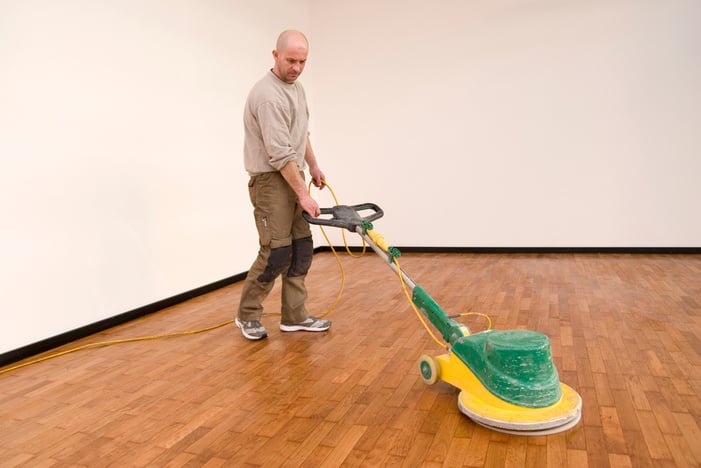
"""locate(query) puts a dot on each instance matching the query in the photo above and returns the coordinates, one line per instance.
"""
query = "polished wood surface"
(625, 333)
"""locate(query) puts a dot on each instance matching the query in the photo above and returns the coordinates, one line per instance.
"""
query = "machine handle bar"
(345, 216)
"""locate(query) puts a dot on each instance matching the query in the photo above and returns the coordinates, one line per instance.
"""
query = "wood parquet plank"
(615, 442)
(625, 333)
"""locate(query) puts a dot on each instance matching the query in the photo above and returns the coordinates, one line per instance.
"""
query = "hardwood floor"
(625, 333)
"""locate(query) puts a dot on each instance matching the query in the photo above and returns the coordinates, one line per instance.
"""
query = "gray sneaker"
(310, 324)
(253, 330)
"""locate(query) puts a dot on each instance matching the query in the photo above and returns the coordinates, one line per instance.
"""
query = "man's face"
(289, 63)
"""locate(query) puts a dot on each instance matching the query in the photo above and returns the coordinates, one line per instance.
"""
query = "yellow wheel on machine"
(430, 372)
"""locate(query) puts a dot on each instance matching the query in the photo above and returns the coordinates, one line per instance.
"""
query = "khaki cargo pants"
(286, 249)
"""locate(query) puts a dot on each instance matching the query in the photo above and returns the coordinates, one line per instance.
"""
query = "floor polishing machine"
(507, 379)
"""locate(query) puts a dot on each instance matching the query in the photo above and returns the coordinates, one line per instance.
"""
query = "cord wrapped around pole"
(379, 240)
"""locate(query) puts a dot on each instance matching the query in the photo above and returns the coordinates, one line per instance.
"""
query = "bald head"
(290, 55)
(291, 39)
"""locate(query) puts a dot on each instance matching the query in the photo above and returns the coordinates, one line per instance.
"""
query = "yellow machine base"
(488, 410)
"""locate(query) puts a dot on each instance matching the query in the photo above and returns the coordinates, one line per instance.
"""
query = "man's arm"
(291, 174)
(314, 170)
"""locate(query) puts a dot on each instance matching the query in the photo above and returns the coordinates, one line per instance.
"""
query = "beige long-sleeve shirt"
(276, 125)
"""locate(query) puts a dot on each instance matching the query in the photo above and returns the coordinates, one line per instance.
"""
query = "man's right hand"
(291, 174)
(309, 205)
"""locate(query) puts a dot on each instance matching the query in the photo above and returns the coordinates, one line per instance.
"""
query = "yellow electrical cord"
(335, 254)
(333, 250)
(420, 316)
(413, 306)
(113, 342)
(380, 241)
(190, 332)
(479, 314)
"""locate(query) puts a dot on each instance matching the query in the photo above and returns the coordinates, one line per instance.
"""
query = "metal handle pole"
(407, 280)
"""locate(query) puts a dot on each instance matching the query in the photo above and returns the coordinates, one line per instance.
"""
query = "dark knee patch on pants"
(302, 253)
(278, 260)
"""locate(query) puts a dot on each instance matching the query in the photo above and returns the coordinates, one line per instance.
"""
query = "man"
(276, 153)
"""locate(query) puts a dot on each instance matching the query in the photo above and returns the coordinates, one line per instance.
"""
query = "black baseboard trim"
(64, 338)
(533, 250)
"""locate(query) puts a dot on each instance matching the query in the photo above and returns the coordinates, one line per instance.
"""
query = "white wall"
(480, 123)
(122, 180)
(514, 123)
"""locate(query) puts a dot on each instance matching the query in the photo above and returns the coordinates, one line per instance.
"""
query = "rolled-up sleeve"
(275, 131)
